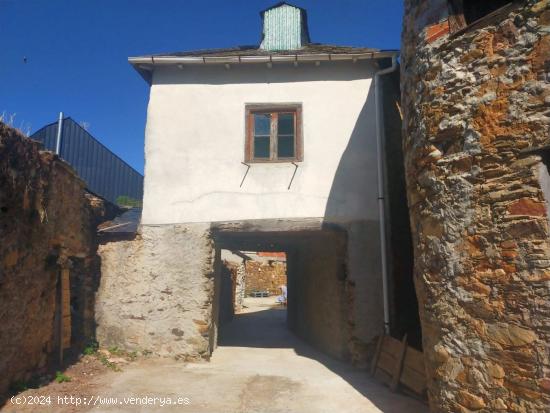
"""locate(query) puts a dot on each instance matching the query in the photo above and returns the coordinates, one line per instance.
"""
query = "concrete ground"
(259, 366)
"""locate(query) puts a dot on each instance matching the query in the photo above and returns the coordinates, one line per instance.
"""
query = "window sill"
(268, 161)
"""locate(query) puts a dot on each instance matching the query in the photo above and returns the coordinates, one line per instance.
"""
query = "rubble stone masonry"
(265, 276)
(476, 124)
(157, 291)
(46, 224)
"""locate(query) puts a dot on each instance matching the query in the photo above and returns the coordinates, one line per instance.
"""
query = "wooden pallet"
(396, 364)
(413, 374)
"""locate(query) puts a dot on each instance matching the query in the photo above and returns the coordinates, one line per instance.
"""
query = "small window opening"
(463, 13)
(475, 9)
(273, 134)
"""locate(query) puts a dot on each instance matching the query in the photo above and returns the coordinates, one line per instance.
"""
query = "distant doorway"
(252, 280)
(293, 281)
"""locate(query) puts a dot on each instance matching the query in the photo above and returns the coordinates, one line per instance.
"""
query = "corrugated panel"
(105, 173)
(47, 135)
(282, 28)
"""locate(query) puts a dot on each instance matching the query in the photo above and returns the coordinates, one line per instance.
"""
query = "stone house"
(276, 147)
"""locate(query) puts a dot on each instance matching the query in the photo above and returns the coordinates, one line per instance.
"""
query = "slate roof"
(310, 51)
(311, 48)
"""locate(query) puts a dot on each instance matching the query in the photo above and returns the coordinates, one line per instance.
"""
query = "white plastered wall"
(195, 139)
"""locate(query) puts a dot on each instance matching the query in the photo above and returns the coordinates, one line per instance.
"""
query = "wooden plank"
(413, 380)
(386, 362)
(376, 355)
(383, 376)
(299, 140)
(414, 359)
(392, 346)
(413, 375)
(65, 309)
(395, 363)
(456, 15)
(488, 19)
(399, 364)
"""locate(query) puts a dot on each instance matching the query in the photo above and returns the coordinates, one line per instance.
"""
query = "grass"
(9, 119)
(105, 361)
(61, 378)
(115, 351)
(91, 348)
(126, 201)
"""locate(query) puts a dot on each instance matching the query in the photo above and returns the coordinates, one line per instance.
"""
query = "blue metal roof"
(104, 173)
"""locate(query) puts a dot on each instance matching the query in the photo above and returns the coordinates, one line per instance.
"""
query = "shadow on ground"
(268, 329)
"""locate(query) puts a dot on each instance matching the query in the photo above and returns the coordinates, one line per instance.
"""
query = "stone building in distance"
(476, 103)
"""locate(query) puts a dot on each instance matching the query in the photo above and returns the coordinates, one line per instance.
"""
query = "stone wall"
(46, 224)
(238, 279)
(156, 292)
(240, 287)
(318, 308)
(476, 122)
(265, 276)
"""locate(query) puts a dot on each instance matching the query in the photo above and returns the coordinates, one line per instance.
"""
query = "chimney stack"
(284, 27)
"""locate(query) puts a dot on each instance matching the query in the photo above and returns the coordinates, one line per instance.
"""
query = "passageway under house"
(295, 355)
(317, 306)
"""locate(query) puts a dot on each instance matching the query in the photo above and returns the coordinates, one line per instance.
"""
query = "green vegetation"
(91, 348)
(126, 201)
(114, 350)
(105, 361)
(61, 378)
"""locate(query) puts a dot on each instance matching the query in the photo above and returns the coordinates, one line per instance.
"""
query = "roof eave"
(144, 64)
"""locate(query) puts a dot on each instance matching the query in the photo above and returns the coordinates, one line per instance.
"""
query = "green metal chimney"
(284, 27)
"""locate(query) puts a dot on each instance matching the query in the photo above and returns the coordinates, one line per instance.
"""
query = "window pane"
(286, 124)
(262, 123)
(261, 147)
(285, 147)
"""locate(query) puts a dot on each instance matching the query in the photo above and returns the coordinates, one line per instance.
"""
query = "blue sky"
(76, 52)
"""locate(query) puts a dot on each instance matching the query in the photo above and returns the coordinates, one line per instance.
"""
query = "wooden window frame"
(274, 110)
(457, 21)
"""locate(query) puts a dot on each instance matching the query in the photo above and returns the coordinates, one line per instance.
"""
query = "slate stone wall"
(265, 276)
(476, 122)
(46, 223)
